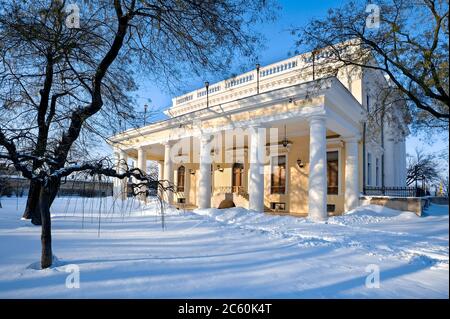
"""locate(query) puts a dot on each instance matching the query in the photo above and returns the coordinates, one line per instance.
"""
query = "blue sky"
(278, 43)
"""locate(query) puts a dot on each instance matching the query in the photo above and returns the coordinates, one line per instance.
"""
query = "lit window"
(278, 175)
(180, 178)
(333, 173)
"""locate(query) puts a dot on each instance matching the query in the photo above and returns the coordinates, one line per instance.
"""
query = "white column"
(400, 162)
(160, 174)
(142, 165)
(403, 163)
(204, 182)
(351, 174)
(168, 170)
(160, 170)
(256, 170)
(395, 164)
(142, 159)
(317, 189)
(389, 162)
(187, 184)
(117, 182)
(123, 188)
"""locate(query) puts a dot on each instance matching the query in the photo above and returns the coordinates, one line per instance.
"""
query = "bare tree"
(422, 166)
(58, 83)
(406, 40)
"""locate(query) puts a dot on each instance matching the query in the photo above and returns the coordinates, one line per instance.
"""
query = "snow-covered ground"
(225, 253)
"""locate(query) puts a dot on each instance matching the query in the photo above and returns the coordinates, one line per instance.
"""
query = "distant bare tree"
(59, 82)
(422, 166)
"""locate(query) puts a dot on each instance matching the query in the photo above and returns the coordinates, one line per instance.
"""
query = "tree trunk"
(32, 208)
(46, 196)
(46, 232)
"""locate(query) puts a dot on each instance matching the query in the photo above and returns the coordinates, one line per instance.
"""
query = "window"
(377, 171)
(278, 206)
(369, 169)
(278, 175)
(237, 177)
(333, 172)
(180, 178)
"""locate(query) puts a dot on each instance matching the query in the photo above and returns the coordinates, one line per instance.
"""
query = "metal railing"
(395, 191)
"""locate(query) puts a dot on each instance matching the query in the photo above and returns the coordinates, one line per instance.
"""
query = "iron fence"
(395, 191)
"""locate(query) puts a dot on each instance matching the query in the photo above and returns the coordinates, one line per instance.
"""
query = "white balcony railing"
(243, 81)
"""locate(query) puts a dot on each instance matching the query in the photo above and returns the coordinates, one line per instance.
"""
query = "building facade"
(280, 138)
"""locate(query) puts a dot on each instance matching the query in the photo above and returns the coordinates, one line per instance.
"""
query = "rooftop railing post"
(207, 94)
(257, 77)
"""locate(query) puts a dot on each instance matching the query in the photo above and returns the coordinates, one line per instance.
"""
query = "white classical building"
(281, 138)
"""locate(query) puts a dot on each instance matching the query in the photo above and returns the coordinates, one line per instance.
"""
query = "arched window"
(236, 182)
(180, 178)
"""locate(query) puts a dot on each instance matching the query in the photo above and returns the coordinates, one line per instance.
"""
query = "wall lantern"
(300, 163)
(219, 168)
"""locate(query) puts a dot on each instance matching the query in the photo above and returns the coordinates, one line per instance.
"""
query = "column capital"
(352, 139)
(167, 143)
(316, 117)
(142, 147)
(206, 137)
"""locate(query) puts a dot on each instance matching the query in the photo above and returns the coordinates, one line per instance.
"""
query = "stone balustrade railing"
(246, 81)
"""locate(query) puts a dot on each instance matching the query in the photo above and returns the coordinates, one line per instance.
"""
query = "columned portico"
(316, 170)
(168, 169)
(351, 174)
(204, 182)
(317, 187)
(256, 171)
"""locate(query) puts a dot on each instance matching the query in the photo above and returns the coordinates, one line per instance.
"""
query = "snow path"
(227, 253)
